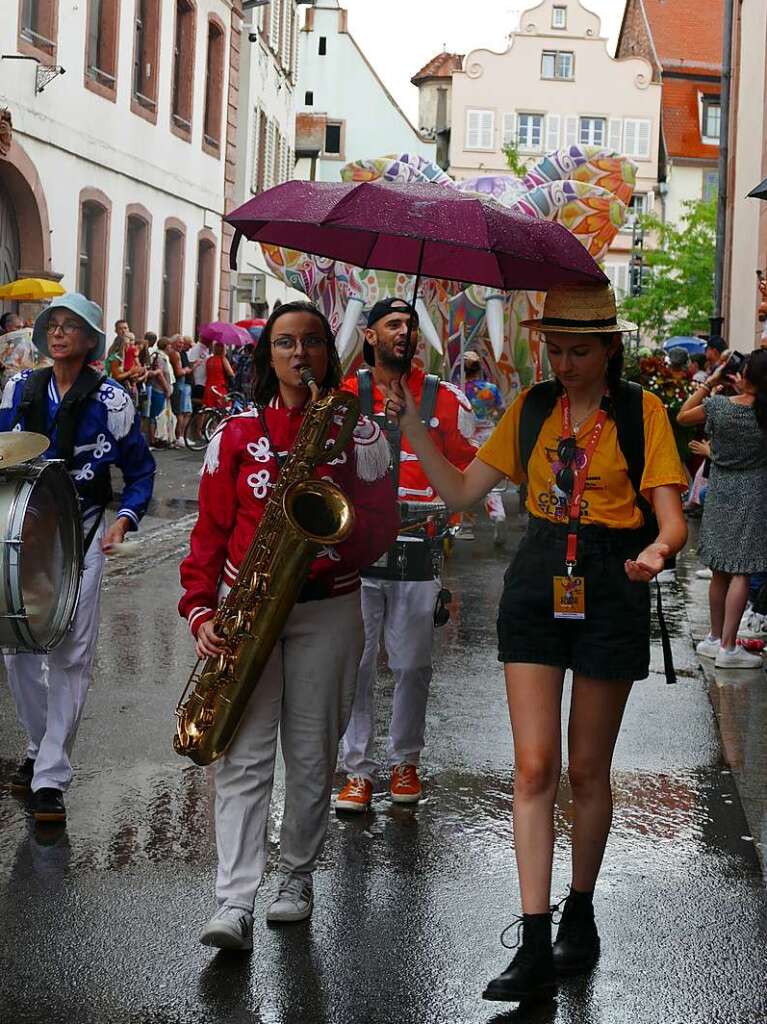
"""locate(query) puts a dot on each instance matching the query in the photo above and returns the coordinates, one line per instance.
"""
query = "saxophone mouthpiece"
(307, 376)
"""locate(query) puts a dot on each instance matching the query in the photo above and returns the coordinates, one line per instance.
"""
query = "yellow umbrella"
(31, 289)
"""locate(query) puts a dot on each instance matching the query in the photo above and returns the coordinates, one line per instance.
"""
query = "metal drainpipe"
(717, 319)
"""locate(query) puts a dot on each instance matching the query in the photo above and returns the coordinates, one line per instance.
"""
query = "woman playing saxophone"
(305, 692)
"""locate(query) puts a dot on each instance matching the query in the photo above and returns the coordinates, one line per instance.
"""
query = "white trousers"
(306, 694)
(50, 689)
(404, 613)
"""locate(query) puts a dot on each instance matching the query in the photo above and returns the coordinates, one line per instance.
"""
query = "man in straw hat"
(92, 425)
(604, 513)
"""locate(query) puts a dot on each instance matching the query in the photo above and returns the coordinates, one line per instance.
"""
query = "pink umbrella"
(229, 334)
(419, 229)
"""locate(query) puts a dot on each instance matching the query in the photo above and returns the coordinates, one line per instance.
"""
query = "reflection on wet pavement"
(99, 923)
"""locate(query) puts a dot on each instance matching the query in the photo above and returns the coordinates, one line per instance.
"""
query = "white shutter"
(649, 206)
(291, 163)
(630, 137)
(509, 129)
(615, 134)
(571, 130)
(294, 43)
(553, 130)
(643, 138)
(257, 115)
(480, 129)
(275, 9)
(287, 11)
(269, 156)
(622, 281)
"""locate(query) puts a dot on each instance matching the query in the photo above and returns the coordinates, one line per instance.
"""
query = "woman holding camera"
(733, 532)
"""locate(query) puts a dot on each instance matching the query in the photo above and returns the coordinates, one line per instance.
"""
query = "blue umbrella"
(690, 345)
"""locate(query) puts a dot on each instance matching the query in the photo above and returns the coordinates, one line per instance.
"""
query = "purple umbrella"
(416, 229)
(229, 334)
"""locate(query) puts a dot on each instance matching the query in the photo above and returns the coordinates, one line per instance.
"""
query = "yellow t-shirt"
(609, 498)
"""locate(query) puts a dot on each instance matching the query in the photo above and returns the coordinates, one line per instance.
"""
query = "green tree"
(678, 281)
(515, 162)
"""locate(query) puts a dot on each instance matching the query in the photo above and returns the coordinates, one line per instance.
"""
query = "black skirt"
(613, 641)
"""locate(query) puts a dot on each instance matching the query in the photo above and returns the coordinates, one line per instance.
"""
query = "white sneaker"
(294, 902)
(229, 928)
(737, 658)
(704, 574)
(180, 443)
(709, 648)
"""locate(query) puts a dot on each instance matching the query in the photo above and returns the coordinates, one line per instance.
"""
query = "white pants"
(404, 613)
(50, 689)
(306, 693)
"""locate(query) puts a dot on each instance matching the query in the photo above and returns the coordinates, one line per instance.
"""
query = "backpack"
(627, 410)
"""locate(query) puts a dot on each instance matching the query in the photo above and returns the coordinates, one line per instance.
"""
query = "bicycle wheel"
(212, 422)
(199, 429)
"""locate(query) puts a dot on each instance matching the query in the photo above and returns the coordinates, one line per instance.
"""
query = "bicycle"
(205, 422)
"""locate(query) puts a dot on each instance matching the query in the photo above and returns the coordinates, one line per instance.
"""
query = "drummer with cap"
(92, 425)
(400, 596)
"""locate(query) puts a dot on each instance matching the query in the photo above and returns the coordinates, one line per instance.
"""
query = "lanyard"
(580, 476)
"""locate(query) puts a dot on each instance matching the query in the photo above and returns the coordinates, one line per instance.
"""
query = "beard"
(386, 357)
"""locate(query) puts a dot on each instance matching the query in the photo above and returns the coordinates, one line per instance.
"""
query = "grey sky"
(400, 36)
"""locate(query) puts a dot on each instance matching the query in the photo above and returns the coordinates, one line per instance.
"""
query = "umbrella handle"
(415, 292)
(233, 251)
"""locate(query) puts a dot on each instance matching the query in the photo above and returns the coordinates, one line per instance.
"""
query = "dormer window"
(711, 117)
(558, 64)
(559, 17)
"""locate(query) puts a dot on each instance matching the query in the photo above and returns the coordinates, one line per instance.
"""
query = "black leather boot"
(577, 944)
(530, 975)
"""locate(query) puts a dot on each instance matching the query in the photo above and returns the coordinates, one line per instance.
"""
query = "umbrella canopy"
(31, 289)
(228, 334)
(760, 192)
(692, 346)
(252, 322)
(416, 229)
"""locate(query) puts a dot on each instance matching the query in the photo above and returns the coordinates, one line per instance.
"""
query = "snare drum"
(41, 555)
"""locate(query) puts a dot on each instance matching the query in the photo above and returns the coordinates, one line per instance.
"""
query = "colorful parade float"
(586, 189)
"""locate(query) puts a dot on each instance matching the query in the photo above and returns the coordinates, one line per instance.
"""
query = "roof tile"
(687, 31)
(681, 118)
(441, 66)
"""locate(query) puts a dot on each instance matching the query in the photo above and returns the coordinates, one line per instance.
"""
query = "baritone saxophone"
(302, 515)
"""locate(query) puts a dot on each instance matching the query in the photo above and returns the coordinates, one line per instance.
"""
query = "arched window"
(93, 245)
(206, 278)
(38, 29)
(138, 227)
(146, 50)
(101, 47)
(172, 277)
(214, 88)
(183, 69)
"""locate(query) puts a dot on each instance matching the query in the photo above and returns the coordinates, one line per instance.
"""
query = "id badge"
(569, 597)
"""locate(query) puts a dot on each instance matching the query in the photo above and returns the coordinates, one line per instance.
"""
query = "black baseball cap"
(717, 342)
(378, 312)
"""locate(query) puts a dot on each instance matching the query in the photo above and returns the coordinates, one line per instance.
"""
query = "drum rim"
(28, 476)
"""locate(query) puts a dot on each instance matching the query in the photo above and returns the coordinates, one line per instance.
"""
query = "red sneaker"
(405, 784)
(356, 795)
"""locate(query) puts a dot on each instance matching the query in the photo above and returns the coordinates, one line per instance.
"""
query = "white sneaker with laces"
(710, 647)
(294, 902)
(229, 928)
(737, 658)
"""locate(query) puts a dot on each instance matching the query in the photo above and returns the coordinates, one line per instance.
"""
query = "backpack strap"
(628, 407)
(33, 408)
(428, 404)
(365, 389)
(538, 405)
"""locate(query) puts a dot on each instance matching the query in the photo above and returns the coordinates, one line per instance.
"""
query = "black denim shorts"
(613, 641)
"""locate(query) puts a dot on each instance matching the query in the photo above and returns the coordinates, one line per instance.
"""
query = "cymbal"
(19, 446)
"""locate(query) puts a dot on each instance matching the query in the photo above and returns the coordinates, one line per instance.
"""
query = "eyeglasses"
(310, 344)
(68, 327)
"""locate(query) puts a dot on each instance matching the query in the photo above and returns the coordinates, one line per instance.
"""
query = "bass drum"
(41, 555)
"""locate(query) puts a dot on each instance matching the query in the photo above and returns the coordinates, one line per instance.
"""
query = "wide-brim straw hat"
(580, 309)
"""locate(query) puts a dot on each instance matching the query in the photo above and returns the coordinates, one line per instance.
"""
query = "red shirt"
(131, 357)
(239, 474)
(451, 427)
